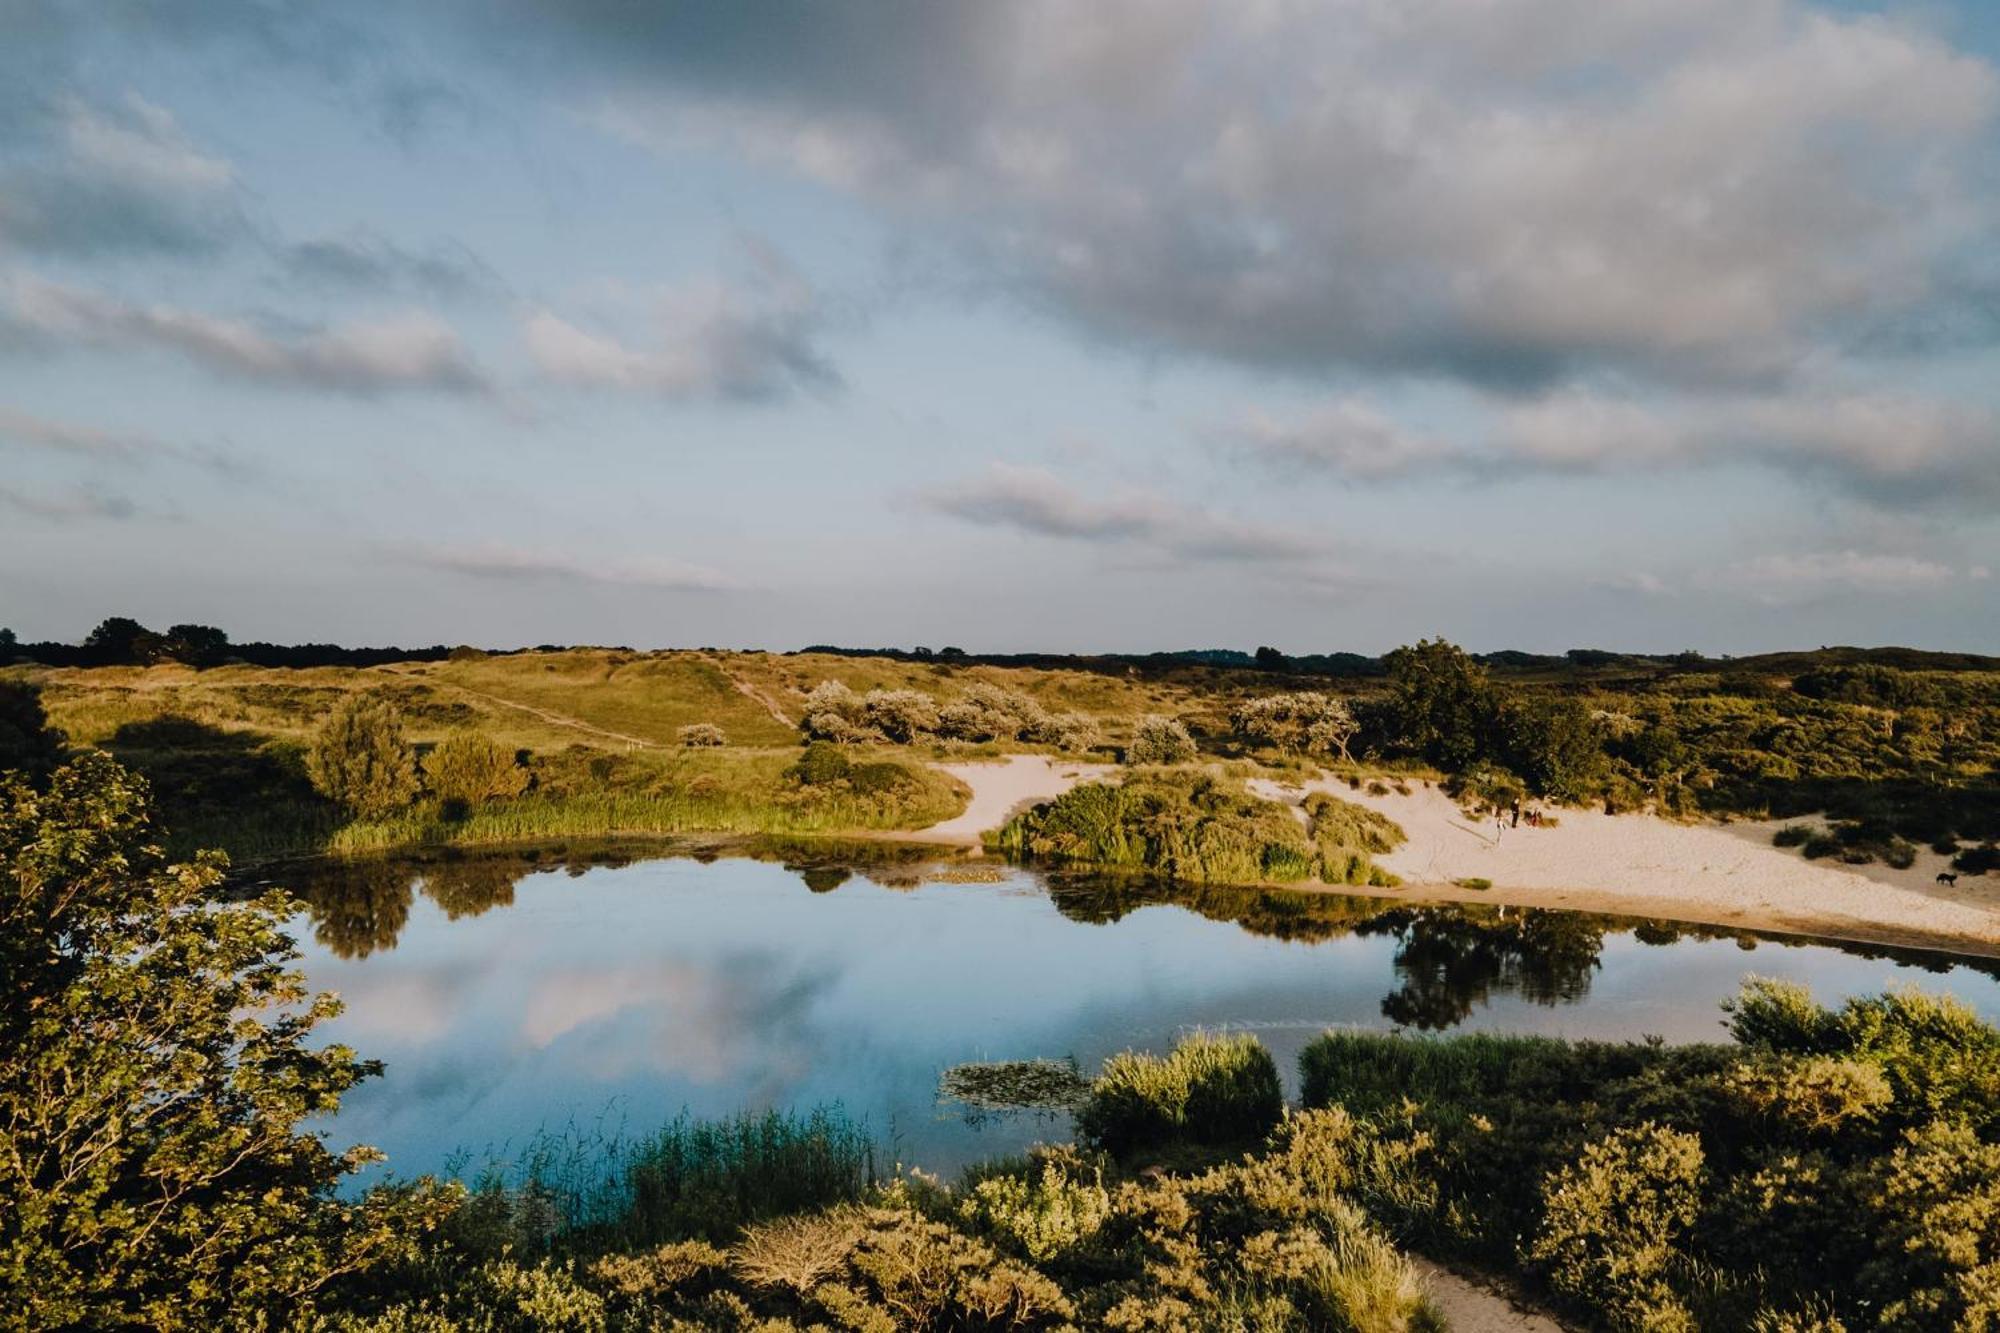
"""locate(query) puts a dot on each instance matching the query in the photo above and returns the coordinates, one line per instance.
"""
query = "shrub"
(1308, 723)
(1056, 1206)
(28, 744)
(820, 764)
(466, 768)
(703, 734)
(899, 715)
(1160, 740)
(1792, 835)
(835, 713)
(1610, 1219)
(1209, 1090)
(360, 760)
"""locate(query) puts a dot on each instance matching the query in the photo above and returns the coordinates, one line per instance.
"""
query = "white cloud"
(413, 349)
(502, 562)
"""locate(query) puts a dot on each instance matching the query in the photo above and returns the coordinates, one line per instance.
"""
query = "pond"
(598, 995)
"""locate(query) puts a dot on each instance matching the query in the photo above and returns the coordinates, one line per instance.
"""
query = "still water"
(552, 993)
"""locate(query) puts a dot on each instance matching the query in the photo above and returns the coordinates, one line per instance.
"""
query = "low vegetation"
(1829, 1169)
(1201, 828)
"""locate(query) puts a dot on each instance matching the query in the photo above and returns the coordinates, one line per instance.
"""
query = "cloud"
(25, 429)
(1034, 501)
(364, 260)
(1502, 194)
(1347, 437)
(1885, 449)
(515, 564)
(116, 178)
(1809, 576)
(80, 503)
(755, 340)
(413, 350)
(1889, 450)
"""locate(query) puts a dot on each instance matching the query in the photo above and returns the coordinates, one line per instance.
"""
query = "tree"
(1556, 746)
(466, 769)
(123, 641)
(1441, 702)
(195, 645)
(154, 1071)
(359, 759)
(1160, 740)
(28, 744)
(702, 735)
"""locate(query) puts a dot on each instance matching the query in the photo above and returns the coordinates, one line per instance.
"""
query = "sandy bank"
(1000, 787)
(1637, 865)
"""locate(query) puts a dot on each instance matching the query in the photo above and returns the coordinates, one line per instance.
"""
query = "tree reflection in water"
(1450, 959)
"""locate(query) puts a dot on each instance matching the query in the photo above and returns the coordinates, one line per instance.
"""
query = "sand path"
(1717, 874)
(1000, 787)
(1472, 1307)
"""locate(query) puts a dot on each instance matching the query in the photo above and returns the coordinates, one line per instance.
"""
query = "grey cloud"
(414, 350)
(26, 429)
(81, 503)
(1034, 501)
(514, 564)
(1787, 578)
(114, 178)
(752, 340)
(1690, 192)
(1888, 450)
(365, 260)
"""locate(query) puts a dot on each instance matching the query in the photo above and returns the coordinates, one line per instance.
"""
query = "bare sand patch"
(1640, 865)
(1000, 788)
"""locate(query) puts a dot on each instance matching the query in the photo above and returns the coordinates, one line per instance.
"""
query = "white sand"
(1720, 874)
(1000, 788)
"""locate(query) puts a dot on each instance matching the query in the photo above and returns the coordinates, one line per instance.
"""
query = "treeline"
(122, 641)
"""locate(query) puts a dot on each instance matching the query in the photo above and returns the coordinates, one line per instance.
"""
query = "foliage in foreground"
(1833, 1168)
(155, 1066)
(1198, 828)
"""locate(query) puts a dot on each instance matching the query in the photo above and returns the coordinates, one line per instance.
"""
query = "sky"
(1023, 325)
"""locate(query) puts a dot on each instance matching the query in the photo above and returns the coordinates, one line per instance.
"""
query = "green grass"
(1208, 1091)
(690, 1180)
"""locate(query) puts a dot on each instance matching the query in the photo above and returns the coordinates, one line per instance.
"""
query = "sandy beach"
(1639, 865)
(1632, 865)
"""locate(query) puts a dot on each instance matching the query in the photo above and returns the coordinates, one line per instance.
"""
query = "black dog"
(1949, 880)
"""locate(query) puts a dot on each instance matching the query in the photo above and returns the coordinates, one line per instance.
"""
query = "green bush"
(1051, 1208)
(1610, 1220)
(360, 760)
(1160, 740)
(821, 763)
(1208, 1091)
(468, 769)
(1200, 829)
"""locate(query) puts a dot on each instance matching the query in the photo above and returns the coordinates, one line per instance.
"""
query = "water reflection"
(522, 991)
(1449, 960)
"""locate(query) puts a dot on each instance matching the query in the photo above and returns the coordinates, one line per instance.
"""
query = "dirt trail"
(770, 705)
(552, 718)
(1473, 1307)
